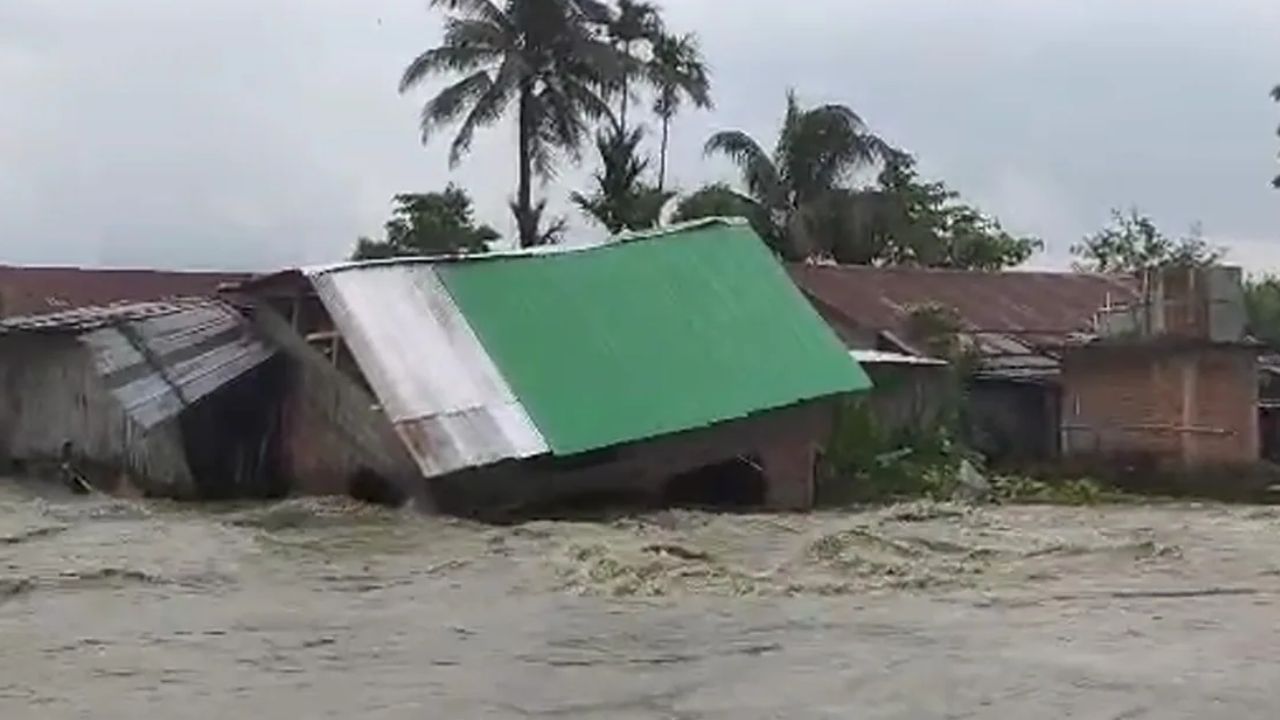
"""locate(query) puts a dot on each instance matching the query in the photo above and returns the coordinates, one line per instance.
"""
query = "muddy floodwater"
(328, 609)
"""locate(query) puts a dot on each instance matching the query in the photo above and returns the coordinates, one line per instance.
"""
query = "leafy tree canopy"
(1132, 243)
(1262, 302)
(437, 223)
(902, 220)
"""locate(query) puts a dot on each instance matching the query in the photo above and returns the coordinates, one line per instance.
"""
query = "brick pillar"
(788, 472)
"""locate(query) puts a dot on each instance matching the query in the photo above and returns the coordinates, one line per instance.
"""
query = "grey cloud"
(258, 133)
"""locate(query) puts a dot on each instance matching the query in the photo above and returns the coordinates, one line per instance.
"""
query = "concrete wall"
(1183, 405)
(50, 395)
(785, 443)
(333, 433)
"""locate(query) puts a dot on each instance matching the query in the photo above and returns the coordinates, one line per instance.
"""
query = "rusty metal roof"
(1015, 319)
(1012, 302)
(87, 318)
(39, 290)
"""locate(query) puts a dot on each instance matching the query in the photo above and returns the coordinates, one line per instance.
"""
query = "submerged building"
(163, 398)
(675, 364)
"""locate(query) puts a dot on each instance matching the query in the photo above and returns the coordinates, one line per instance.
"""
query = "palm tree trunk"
(526, 223)
(662, 154)
(626, 91)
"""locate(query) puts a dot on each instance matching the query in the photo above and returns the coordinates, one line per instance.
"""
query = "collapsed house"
(1070, 364)
(680, 364)
(169, 399)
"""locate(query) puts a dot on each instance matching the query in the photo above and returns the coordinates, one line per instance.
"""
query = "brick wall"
(1184, 406)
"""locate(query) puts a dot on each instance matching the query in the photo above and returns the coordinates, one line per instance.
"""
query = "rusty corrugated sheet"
(1017, 321)
(454, 409)
(1013, 302)
(156, 366)
(32, 290)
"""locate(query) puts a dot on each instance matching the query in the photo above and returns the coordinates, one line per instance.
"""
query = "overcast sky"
(259, 133)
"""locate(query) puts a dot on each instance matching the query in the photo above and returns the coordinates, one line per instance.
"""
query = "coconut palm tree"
(633, 30)
(621, 199)
(545, 59)
(817, 151)
(677, 72)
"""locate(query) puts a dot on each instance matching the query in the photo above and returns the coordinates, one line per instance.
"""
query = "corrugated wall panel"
(157, 366)
(424, 362)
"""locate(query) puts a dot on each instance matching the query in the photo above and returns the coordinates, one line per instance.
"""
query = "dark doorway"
(231, 436)
(738, 483)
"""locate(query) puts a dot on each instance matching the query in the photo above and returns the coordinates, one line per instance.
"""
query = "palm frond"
(485, 10)
(487, 109)
(444, 59)
(468, 33)
(758, 170)
(677, 70)
(451, 102)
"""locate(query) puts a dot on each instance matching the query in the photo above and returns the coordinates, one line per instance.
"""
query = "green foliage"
(1262, 301)
(622, 200)
(438, 223)
(1132, 243)
(817, 151)
(867, 463)
(907, 221)
(720, 200)
(805, 207)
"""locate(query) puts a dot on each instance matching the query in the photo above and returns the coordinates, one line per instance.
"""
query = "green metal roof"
(650, 336)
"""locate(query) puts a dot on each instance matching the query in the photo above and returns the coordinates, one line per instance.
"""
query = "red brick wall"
(1189, 406)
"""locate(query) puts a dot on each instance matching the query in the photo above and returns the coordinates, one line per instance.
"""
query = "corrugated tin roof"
(483, 359)
(648, 337)
(1013, 302)
(87, 318)
(157, 360)
(38, 290)
(420, 356)
(1017, 321)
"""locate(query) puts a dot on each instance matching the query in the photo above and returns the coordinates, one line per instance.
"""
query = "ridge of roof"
(924, 270)
(530, 252)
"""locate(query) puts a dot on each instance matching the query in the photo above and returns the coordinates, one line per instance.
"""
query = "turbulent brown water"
(327, 609)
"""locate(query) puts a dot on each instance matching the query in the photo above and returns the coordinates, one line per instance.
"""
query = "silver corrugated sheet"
(427, 367)
(159, 365)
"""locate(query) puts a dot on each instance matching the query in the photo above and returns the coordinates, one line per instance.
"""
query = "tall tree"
(677, 73)
(437, 223)
(633, 29)
(544, 58)
(622, 200)
(817, 151)
(1132, 242)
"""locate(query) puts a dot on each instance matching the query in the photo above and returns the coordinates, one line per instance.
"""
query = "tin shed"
(172, 399)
